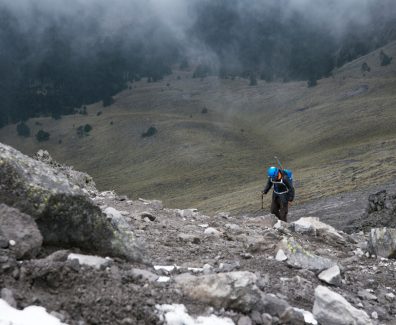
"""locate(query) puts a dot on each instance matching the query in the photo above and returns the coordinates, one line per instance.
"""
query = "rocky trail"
(92, 257)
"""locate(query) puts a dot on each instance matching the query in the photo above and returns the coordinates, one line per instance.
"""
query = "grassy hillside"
(337, 136)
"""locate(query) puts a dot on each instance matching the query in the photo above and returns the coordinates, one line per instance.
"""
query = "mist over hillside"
(57, 57)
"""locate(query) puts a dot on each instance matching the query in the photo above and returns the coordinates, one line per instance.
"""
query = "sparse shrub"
(60, 141)
(312, 82)
(87, 128)
(385, 59)
(150, 132)
(23, 130)
(178, 77)
(107, 101)
(111, 122)
(83, 130)
(42, 136)
(204, 110)
(365, 67)
(37, 123)
(99, 113)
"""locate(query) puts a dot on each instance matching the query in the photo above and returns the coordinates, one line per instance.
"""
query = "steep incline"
(338, 136)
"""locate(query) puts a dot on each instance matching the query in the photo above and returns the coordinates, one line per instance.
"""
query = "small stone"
(267, 319)
(366, 295)
(148, 216)
(212, 232)
(331, 275)
(292, 316)
(61, 317)
(390, 296)
(244, 320)
(256, 317)
(12, 242)
(8, 297)
(374, 315)
(281, 256)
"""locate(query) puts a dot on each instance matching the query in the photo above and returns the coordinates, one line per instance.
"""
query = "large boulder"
(235, 290)
(298, 257)
(64, 213)
(330, 308)
(312, 225)
(21, 231)
(382, 242)
(380, 212)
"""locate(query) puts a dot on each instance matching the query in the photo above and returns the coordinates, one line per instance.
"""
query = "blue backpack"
(289, 174)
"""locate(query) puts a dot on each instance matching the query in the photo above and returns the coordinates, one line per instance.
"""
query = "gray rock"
(281, 256)
(366, 295)
(330, 308)
(331, 276)
(382, 242)
(64, 213)
(20, 228)
(80, 179)
(256, 317)
(187, 238)
(234, 290)
(144, 275)
(298, 257)
(267, 319)
(292, 317)
(8, 297)
(91, 261)
(312, 225)
(244, 320)
(210, 231)
(274, 305)
(148, 215)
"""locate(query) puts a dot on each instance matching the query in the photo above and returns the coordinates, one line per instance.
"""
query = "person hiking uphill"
(283, 192)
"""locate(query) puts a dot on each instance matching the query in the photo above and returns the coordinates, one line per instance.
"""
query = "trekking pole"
(279, 163)
(262, 201)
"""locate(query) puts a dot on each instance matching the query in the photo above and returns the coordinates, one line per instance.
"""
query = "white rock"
(168, 268)
(212, 232)
(113, 213)
(303, 226)
(308, 317)
(177, 315)
(204, 225)
(163, 279)
(382, 242)
(331, 275)
(32, 315)
(318, 227)
(358, 251)
(390, 296)
(90, 260)
(281, 256)
(330, 308)
(374, 315)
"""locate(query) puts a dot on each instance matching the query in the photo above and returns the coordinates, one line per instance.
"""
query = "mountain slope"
(337, 136)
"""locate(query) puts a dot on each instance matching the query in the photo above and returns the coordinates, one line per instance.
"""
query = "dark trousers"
(280, 207)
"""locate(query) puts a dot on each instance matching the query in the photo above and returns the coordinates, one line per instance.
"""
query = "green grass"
(333, 141)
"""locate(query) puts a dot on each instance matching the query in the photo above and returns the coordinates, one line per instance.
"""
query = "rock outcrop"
(382, 242)
(19, 232)
(64, 213)
(330, 308)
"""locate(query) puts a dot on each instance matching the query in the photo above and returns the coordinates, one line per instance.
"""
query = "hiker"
(283, 191)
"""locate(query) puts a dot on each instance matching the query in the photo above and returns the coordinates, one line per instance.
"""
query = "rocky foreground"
(92, 257)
